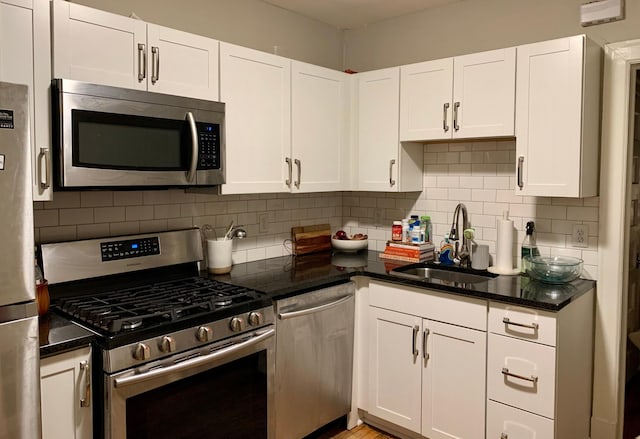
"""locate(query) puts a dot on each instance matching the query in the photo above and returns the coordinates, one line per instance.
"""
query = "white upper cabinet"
(25, 58)
(557, 118)
(468, 96)
(256, 88)
(382, 162)
(181, 63)
(320, 128)
(104, 48)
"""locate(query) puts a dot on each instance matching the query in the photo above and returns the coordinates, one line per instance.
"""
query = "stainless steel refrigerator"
(19, 347)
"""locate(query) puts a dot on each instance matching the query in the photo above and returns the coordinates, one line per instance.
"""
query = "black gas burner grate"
(140, 307)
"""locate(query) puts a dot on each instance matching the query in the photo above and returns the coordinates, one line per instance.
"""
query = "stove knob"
(168, 344)
(256, 318)
(236, 324)
(204, 333)
(142, 352)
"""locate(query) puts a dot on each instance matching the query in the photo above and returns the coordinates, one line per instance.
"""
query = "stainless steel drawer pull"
(520, 165)
(533, 326)
(425, 334)
(142, 62)
(445, 109)
(85, 369)
(392, 182)
(414, 347)
(288, 180)
(299, 165)
(155, 64)
(532, 378)
(456, 106)
(44, 160)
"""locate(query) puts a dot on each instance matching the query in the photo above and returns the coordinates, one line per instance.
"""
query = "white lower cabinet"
(65, 381)
(426, 375)
(539, 367)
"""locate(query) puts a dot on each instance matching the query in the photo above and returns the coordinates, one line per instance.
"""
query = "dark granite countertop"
(287, 276)
(57, 335)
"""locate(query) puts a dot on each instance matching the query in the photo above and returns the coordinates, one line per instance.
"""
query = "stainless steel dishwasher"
(314, 359)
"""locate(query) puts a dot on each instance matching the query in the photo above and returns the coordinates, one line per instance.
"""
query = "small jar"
(396, 231)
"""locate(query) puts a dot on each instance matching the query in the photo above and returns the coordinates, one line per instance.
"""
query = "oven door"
(107, 137)
(224, 390)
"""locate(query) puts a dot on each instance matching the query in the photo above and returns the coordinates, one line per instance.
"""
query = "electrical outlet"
(580, 235)
(263, 223)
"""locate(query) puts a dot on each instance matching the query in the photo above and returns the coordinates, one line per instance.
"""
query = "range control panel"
(130, 248)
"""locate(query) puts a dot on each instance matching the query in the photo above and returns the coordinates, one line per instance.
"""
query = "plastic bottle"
(425, 223)
(529, 247)
(396, 231)
(405, 230)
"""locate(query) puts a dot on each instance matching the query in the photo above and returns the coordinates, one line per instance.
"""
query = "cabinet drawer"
(430, 304)
(524, 323)
(522, 374)
(509, 422)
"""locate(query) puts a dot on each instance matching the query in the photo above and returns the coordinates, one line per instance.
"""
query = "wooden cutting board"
(311, 239)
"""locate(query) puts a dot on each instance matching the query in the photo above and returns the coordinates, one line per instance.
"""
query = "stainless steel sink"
(447, 274)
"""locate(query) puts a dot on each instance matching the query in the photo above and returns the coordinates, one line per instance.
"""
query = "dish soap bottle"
(529, 247)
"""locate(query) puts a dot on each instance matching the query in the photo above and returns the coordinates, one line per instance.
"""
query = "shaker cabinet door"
(29, 63)
(395, 367)
(181, 63)
(256, 88)
(65, 381)
(319, 119)
(98, 47)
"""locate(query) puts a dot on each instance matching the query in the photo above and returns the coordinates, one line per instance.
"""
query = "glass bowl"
(553, 269)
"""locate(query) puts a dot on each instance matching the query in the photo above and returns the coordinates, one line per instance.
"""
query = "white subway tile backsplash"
(76, 216)
(479, 174)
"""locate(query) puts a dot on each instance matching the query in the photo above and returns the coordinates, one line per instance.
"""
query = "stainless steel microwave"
(109, 138)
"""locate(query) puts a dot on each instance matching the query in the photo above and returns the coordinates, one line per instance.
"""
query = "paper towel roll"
(504, 247)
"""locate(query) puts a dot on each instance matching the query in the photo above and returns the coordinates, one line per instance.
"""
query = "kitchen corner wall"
(482, 176)
(97, 214)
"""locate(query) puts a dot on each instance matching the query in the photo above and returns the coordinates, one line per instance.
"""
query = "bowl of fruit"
(345, 243)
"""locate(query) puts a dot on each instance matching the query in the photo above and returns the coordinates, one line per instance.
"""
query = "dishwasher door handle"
(313, 309)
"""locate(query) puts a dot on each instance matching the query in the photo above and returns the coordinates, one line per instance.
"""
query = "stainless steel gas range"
(180, 355)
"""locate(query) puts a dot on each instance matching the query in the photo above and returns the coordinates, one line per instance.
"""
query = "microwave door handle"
(191, 173)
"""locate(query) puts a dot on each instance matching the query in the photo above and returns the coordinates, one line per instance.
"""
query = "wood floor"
(363, 432)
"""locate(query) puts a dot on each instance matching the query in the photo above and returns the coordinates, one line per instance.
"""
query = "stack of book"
(409, 251)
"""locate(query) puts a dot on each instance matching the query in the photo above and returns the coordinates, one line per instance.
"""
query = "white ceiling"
(352, 14)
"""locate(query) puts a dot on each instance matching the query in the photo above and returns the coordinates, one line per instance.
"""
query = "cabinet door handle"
(425, 334)
(532, 378)
(520, 166)
(44, 159)
(392, 182)
(445, 110)
(288, 180)
(297, 182)
(85, 401)
(533, 325)
(414, 347)
(142, 62)
(456, 106)
(155, 64)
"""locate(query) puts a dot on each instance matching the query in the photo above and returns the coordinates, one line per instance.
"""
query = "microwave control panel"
(208, 145)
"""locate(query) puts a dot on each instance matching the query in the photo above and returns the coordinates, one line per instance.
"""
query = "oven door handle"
(191, 173)
(194, 362)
